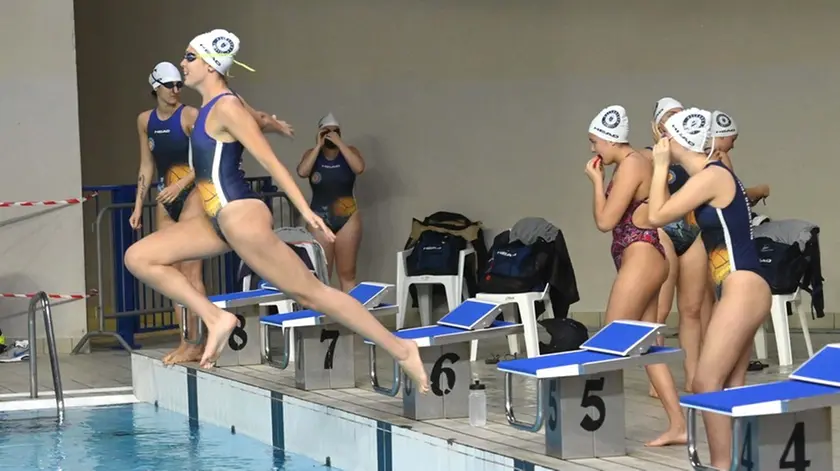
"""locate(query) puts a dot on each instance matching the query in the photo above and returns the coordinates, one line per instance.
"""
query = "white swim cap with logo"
(663, 106)
(611, 124)
(328, 120)
(163, 73)
(218, 48)
(723, 125)
(691, 128)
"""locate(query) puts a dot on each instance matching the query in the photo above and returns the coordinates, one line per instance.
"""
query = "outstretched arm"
(268, 123)
(241, 125)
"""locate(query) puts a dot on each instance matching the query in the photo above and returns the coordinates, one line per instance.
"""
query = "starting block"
(245, 304)
(784, 425)
(445, 352)
(581, 392)
(324, 350)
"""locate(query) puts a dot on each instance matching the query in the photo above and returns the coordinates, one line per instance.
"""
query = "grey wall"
(39, 129)
(482, 107)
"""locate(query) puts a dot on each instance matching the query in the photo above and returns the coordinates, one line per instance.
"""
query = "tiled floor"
(103, 369)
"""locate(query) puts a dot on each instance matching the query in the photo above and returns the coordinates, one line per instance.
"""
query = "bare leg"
(151, 261)
(738, 314)
(163, 221)
(634, 295)
(247, 226)
(666, 293)
(188, 352)
(691, 291)
(707, 307)
(346, 250)
(193, 208)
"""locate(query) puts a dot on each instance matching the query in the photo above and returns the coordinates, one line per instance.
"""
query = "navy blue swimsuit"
(332, 183)
(728, 234)
(170, 147)
(218, 168)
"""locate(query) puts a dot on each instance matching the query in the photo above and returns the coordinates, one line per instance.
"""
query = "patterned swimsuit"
(626, 233)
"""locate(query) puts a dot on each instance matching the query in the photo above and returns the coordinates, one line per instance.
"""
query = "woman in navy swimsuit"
(331, 168)
(722, 210)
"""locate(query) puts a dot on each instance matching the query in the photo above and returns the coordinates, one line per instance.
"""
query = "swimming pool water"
(134, 437)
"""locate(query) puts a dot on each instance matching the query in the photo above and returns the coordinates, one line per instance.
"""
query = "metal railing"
(42, 299)
(135, 307)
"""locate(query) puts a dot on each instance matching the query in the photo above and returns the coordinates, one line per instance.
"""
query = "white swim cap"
(328, 120)
(217, 48)
(163, 73)
(691, 128)
(663, 106)
(611, 124)
(723, 125)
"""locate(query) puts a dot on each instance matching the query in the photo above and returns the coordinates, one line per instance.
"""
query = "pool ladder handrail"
(42, 298)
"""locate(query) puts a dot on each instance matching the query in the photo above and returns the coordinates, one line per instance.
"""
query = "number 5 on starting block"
(585, 416)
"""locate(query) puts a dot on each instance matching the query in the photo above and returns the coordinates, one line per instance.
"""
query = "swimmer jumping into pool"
(636, 251)
(164, 149)
(722, 210)
(239, 220)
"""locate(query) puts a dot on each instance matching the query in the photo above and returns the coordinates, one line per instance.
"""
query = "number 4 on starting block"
(785, 425)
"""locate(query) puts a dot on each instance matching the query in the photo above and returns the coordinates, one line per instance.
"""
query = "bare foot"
(688, 387)
(671, 437)
(217, 337)
(167, 360)
(652, 392)
(188, 354)
(413, 366)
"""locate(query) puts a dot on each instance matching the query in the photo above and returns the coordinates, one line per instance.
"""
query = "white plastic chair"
(453, 284)
(526, 304)
(781, 329)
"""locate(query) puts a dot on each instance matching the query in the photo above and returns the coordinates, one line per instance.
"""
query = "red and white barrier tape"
(8, 204)
(50, 295)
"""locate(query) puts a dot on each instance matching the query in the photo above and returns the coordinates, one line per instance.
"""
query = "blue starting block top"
(822, 368)
(367, 293)
(471, 314)
(247, 298)
(622, 338)
(813, 385)
(581, 362)
(443, 335)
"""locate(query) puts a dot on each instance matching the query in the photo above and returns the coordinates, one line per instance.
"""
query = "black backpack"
(566, 335)
(783, 266)
(435, 253)
(515, 267)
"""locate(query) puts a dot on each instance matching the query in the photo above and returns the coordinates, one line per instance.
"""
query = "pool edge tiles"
(351, 442)
(47, 403)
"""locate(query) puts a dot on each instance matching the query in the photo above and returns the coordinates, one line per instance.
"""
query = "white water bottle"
(478, 404)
